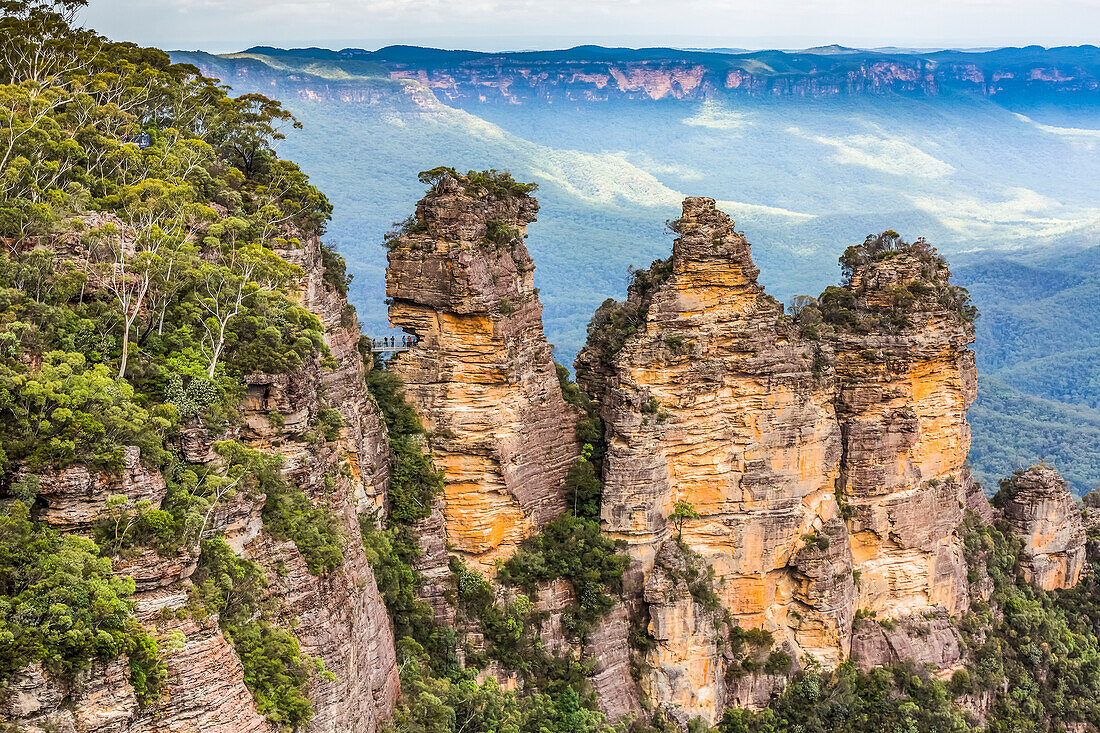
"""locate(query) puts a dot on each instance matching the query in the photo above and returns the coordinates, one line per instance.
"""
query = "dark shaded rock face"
(1040, 508)
(482, 375)
(931, 639)
(827, 466)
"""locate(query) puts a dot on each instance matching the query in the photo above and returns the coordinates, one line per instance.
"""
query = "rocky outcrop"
(931, 639)
(74, 497)
(824, 459)
(340, 616)
(104, 700)
(617, 694)
(206, 690)
(481, 377)
(684, 675)
(906, 379)
(713, 403)
(1039, 507)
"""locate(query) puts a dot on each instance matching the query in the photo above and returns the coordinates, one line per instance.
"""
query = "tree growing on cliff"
(682, 510)
(228, 284)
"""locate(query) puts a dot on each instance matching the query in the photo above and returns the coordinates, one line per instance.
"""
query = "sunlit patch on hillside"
(1023, 214)
(597, 178)
(881, 153)
(647, 162)
(717, 117)
(1087, 138)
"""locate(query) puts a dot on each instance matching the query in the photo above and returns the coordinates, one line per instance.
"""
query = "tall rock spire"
(482, 376)
(709, 400)
(906, 378)
(822, 451)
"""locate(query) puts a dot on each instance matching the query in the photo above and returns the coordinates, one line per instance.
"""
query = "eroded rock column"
(906, 378)
(482, 375)
(710, 400)
(1040, 508)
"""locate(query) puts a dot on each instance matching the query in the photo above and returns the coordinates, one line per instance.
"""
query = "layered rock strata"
(712, 401)
(339, 617)
(825, 464)
(930, 640)
(906, 379)
(1039, 507)
(482, 376)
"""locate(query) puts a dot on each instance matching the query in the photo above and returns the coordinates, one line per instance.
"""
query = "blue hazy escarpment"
(994, 157)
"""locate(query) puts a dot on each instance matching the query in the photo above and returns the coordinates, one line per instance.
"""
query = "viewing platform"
(392, 345)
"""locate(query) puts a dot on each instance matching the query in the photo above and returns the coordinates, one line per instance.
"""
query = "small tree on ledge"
(682, 510)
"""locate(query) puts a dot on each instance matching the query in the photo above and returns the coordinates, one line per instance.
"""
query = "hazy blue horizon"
(494, 25)
(487, 46)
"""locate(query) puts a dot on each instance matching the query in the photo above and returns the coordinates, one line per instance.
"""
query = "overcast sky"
(223, 25)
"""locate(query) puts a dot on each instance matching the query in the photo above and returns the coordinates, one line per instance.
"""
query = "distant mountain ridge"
(597, 73)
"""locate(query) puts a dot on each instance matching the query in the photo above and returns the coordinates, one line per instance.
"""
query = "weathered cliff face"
(594, 75)
(906, 379)
(481, 376)
(931, 640)
(826, 468)
(712, 402)
(338, 617)
(685, 674)
(1040, 508)
(520, 79)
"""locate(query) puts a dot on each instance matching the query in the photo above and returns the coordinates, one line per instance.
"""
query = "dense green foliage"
(69, 410)
(1012, 430)
(492, 183)
(414, 481)
(891, 699)
(1040, 648)
(584, 489)
(432, 704)
(289, 514)
(439, 694)
(570, 548)
(61, 605)
(929, 288)
(1037, 404)
(142, 210)
(275, 671)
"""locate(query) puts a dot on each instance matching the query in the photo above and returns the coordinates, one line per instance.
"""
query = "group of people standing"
(390, 342)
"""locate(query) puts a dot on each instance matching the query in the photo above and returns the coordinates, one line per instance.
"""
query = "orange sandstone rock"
(814, 453)
(482, 377)
(1040, 508)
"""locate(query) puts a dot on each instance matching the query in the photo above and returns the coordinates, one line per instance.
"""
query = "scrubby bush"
(572, 549)
(61, 605)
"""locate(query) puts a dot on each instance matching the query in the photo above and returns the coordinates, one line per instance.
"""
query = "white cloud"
(1022, 214)
(597, 178)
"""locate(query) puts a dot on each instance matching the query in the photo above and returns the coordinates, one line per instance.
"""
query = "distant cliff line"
(598, 74)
